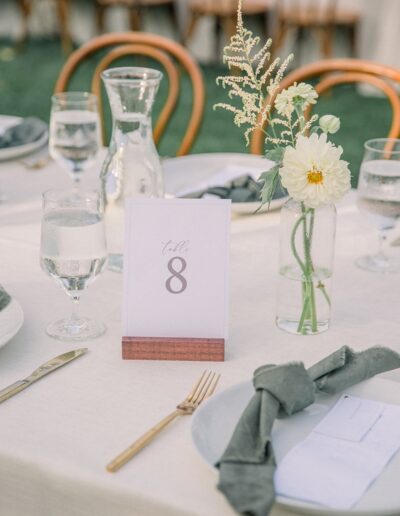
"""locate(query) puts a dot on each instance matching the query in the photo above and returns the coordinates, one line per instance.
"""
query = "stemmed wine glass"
(379, 197)
(73, 252)
(74, 138)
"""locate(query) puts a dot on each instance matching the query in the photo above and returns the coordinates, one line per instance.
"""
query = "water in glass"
(73, 252)
(74, 137)
(132, 167)
(379, 198)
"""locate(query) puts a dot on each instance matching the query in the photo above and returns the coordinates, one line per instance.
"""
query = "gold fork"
(203, 389)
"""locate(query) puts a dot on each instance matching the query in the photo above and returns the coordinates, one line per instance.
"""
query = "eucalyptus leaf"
(270, 180)
(275, 154)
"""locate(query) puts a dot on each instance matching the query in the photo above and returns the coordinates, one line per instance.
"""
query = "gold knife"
(43, 370)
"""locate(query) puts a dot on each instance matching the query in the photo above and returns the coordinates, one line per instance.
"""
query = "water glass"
(73, 252)
(379, 198)
(74, 137)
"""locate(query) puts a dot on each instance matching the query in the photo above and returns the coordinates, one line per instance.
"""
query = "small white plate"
(187, 171)
(11, 320)
(214, 422)
(19, 150)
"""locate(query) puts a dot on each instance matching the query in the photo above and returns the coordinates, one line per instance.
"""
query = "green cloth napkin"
(247, 466)
(241, 189)
(28, 131)
(5, 298)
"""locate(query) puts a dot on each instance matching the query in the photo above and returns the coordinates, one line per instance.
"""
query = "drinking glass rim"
(74, 97)
(59, 194)
(139, 74)
(368, 146)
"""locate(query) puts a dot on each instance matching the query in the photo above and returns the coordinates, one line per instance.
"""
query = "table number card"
(176, 261)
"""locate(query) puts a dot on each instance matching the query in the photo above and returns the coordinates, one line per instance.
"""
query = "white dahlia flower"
(299, 94)
(303, 94)
(284, 103)
(313, 173)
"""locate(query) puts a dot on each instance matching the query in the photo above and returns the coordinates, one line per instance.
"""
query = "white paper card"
(351, 418)
(176, 263)
(335, 472)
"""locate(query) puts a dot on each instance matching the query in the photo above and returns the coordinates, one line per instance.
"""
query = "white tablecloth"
(57, 436)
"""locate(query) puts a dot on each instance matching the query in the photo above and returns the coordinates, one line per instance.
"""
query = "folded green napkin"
(247, 466)
(5, 298)
(241, 189)
(28, 131)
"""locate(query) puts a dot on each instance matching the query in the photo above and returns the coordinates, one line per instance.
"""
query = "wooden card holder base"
(166, 348)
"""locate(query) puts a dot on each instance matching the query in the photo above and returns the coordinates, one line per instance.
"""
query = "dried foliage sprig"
(256, 81)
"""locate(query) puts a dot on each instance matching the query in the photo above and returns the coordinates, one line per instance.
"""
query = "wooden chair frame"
(136, 9)
(323, 19)
(225, 14)
(345, 71)
(63, 7)
(162, 46)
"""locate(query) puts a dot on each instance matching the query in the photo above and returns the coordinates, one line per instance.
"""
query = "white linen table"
(57, 436)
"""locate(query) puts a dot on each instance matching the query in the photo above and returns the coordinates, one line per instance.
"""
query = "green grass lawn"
(27, 82)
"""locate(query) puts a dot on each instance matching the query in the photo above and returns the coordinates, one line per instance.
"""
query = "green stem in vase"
(309, 312)
(320, 285)
(305, 315)
(293, 244)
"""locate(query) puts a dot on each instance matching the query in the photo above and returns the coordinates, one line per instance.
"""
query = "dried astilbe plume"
(258, 78)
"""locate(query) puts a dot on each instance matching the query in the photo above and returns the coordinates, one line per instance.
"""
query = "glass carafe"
(132, 167)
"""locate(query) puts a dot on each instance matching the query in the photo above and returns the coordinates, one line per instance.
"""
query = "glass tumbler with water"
(74, 137)
(379, 198)
(73, 252)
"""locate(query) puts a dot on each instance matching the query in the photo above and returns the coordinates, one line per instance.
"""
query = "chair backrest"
(158, 48)
(341, 71)
(317, 9)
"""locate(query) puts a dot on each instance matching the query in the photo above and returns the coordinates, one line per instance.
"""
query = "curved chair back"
(341, 71)
(163, 50)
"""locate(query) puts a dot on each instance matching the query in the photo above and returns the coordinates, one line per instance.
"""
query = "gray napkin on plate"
(247, 466)
(5, 298)
(241, 189)
(28, 131)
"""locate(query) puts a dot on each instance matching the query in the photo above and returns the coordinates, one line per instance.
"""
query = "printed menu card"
(176, 261)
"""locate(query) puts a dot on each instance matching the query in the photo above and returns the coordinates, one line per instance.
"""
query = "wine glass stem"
(382, 240)
(75, 309)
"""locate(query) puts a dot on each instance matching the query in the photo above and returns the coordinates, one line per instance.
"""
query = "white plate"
(214, 422)
(11, 319)
(19, 150)
(185, 171)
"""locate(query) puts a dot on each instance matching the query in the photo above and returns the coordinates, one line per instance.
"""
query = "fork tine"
(189, 397)
(210, 391)
(205, 389)
(201, 387)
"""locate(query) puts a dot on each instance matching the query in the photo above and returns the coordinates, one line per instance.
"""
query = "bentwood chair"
(319, 17)
(136, 10)
(333, 72)
(225, 13)
(62, 6)
(166, 52)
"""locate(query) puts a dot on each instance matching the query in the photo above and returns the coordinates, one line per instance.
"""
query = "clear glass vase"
(307, 238)
(132, 167)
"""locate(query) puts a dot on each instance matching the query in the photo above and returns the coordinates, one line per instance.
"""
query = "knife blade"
(40, 372)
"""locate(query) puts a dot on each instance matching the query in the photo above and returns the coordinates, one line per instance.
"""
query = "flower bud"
(329, 124)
